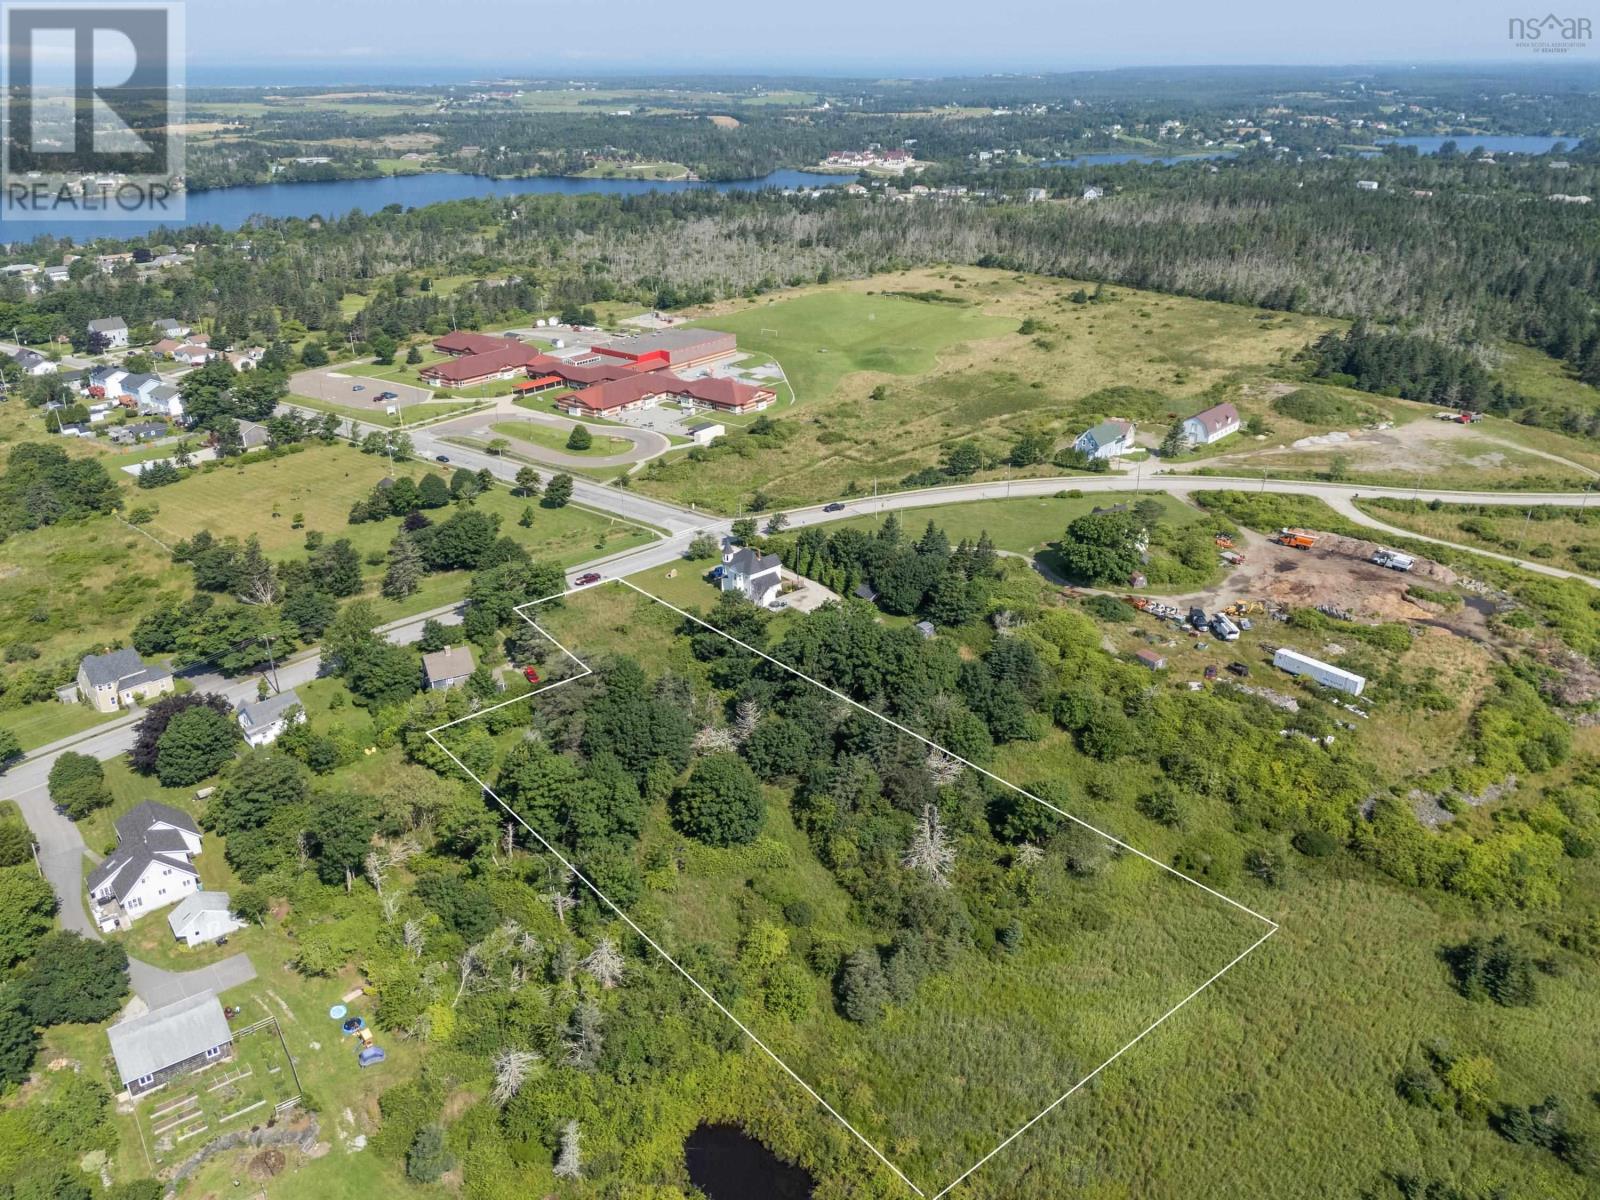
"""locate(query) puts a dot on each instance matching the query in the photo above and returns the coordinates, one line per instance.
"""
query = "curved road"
(647, 443)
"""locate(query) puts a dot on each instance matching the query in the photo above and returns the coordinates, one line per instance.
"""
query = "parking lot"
(357, 393)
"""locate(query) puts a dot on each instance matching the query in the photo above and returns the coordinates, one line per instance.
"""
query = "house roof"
(749, 563)
(450, 663)
(147, 833)
(462, 341)
(139, 819)
(121, 668)
(1109, 431)
(263, 713)
(167, 1036)
(107, 325)
(133, 383)
(168, 323)
(165, 392)
(1217, 418)
(188, 911)
(1150, 658)
(508, 356)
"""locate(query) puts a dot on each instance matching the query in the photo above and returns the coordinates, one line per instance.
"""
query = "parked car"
(531, 674)
(388, 395)
(588, 577)
(834, 507)
(441, 458)
(358, 387)
(1239, 669)
(60, 809)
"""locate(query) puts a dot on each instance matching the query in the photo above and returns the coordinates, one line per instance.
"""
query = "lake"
(233, 207)
(726, 1163)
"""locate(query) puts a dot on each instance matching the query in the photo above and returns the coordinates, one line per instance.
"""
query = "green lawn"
(601, 445)
(44, 721)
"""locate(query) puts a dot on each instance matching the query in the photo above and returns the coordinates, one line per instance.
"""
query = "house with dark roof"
(34, 363)
(168, 327)
(1107, 439)
(120, 679)
(757, 575)
(171, 1042)
(1211, 425)
(263, 720)
(151, 867)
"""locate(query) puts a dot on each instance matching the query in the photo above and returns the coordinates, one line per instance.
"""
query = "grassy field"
(953, 365)
(602, 445)
(45, 721)
(1562, 537)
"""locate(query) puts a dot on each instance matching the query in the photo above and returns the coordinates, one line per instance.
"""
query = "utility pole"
(1523, 536)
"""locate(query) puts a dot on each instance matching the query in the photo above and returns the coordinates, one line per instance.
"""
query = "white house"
(1211, 425)
(264, 720)
(120, 679)
(162, 400)
(113, 329)
(140, 387)
(151, 867)
(758, 576)
(1107, 439)
(203, 917)
(167, 327)
(34, 363)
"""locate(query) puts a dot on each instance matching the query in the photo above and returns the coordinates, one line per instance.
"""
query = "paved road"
(645, 444)
(618, 502)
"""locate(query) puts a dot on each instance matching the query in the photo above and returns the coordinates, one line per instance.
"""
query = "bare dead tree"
(605, 964)
(715, 739)
(389, 902)
(562, 902)
(942, 769)
(930, 851)
(411, 937)
(569, 1162)
(747, 717)
(469, 970)
(512, 1069)
(375, 866)
(1027, 856)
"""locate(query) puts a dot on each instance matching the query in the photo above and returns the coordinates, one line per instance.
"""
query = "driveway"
(158, 988)
(646, 443)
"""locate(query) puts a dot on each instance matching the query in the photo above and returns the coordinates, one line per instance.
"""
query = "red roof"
(461, 341)
(479, 366)
(721, 393)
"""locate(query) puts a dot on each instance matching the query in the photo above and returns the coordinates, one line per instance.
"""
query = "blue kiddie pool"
(337, 1012)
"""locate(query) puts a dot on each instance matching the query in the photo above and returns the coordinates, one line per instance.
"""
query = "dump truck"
(1296, 539)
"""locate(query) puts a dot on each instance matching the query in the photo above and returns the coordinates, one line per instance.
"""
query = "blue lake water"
(233, 207)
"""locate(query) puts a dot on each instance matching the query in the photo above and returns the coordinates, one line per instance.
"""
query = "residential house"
(193, 354)
(163, 400)
(1093, 193)
(246, 360)
(34, 363)
(253, 436)
(1035, 195)
(113, 329)
(445, 668)
(1107, 439)
(168, 327)
(140, 387)
(165, 347)
(139, 431)
(169, 1043)
(82, 431)
(263, 720)
(203, 917)
(58, 274)
(152, 866)
(1211, 425)
(756, 575)
(120, 679)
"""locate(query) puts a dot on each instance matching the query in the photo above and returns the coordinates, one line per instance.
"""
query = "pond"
(233, 207)
(1493, 143)
(726, 1163)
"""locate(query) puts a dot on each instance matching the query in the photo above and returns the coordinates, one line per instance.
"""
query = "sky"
(354, 39)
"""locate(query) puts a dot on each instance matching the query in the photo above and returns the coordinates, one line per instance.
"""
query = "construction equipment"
(1233, 558)
(1224, 541)
(1296, 539)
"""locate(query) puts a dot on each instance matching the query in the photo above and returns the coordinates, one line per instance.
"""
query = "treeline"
(42, 486)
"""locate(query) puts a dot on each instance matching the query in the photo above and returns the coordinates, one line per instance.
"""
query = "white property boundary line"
(1271, 925)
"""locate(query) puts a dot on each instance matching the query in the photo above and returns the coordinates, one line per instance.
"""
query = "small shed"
(925, 628)
(203, 917)
(1149, 658)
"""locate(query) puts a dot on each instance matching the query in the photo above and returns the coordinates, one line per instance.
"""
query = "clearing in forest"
(1011, 1010)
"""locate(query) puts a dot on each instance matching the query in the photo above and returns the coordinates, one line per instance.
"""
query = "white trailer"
(1326, 674)
(1394, 560)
